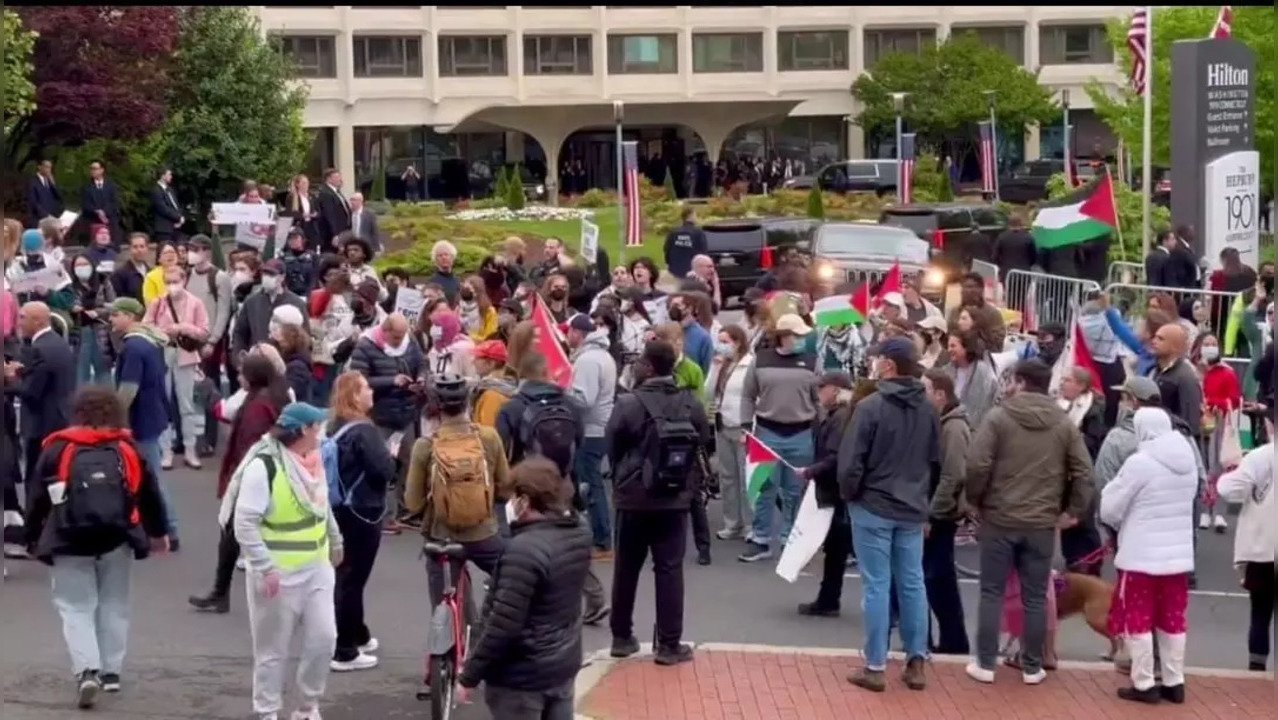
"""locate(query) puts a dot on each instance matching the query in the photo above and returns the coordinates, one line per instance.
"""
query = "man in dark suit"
(44, 377)
(44, 199)
(166, 214)
(100, 202)
(364, 223)
(334, 210)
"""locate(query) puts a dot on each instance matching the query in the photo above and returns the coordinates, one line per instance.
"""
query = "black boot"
(673, 654)
(1149, 697)
(213, 602)
(1174, 694)
(818, 609)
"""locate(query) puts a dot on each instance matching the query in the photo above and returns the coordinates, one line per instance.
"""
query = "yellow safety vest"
(293, 534)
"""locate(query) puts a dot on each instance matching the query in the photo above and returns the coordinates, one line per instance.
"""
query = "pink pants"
(1144, 603)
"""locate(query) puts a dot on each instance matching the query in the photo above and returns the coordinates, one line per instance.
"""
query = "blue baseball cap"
(298, 415)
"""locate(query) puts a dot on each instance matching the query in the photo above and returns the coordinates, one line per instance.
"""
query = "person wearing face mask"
(697, 343)
(779, 402)
(451, 350)
(635, 323)
(299, 263)
(479, 317)
(35, 257)
(182, 317)
(290, 539)
(253, 323)
(556, 295)
(1222, 397)
(90, 319)
(212, 287)
(724, 386)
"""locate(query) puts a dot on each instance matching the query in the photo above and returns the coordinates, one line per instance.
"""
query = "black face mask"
(1049, 352)
(557, 295)
(467, 296)
(676, 314)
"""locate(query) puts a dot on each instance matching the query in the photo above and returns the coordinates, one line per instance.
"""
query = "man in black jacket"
(530, 650)
(45, 378)
(684, 243)
(253, 321)
(1014, 249)
(651, 516)
(100, 202)
(44, 199)
(835, 392)
(131, 269)
(334, 210)
(166, 214)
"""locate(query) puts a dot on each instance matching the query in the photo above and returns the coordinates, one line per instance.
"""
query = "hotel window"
(1074, 45)
(1010, 39)
(314, 56)
(472, 55)
(727, 52)
(388, 56)
(889, 40)
(643, 54)
(557, 55)
(812, 50)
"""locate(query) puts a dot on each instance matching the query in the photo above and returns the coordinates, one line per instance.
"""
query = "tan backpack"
(461, 487)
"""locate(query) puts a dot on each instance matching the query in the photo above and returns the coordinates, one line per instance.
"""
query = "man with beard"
(987, 320)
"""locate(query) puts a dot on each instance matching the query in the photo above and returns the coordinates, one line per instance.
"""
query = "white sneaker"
(370, 647)
(310, 713)
(1204, 521)
(980, 674)
(166, 459)
(1038, 677)
(360, 662)
(241, 565)
(728, 534)
(1221, 524)
(192, 460)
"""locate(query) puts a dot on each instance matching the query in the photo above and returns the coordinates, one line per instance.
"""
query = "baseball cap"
(494, 350)
(899, 350)
(200, 242)
(273, 267)
(298, 415)
(933, 322)
(836, 378)
(581, 322)
(895, 298)
(1141, 388)
(128, 305)
(288, 315)
(792, 323)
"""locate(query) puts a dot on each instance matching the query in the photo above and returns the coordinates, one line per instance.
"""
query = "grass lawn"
(609, 234)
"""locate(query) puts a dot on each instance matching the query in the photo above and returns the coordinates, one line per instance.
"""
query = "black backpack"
(549, 428)
(99, 504)
(670, 448)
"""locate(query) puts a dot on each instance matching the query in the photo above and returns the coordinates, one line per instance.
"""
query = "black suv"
(958, 232)
(876, 176)
(736, 246)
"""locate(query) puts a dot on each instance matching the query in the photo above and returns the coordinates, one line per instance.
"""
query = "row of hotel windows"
(658, 53)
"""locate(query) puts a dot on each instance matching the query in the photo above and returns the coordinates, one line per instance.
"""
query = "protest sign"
(253, 235)
(657, 310)
(811, 525)
(409, 303)
(589, 241)
(242, 213)
(68, 219)
(50, 278)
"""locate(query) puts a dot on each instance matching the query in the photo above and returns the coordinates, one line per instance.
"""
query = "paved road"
(184, 665)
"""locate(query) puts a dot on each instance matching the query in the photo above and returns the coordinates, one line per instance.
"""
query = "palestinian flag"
(760, 461)
(1085, 214)
(836, 310)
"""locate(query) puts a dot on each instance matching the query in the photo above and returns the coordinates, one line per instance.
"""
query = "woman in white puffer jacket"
(1151, 505)
(1255, 540)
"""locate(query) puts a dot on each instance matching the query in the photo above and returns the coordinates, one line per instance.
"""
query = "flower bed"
(530, 213)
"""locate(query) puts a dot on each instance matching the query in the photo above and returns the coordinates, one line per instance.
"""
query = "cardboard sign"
(243, 213)
(589, 241)
(409, 303)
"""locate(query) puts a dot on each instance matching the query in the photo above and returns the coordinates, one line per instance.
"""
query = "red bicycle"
(450, 629)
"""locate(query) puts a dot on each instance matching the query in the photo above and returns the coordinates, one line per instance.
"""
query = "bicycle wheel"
(443, 678)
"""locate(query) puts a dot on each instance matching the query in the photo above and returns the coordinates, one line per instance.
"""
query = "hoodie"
(141, 365)
(1151, 500)
(1028, 464)
(594, 381)
(888, 458)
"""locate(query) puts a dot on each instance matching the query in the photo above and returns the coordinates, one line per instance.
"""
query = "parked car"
(1028, 183)
(957, 232)
(877, 176)
(853, 253)
(737, 248)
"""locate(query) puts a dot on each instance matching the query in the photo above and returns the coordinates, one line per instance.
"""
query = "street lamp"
(618, 117)
(989, 99)
(1065, 144)
(898, 105)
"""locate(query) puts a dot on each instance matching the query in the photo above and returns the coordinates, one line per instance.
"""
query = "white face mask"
(437, 333)
(194, 258)
(83, 272)
(512, 514)
(175, 289)
(1211, 352)
(239, 278)
(270, 283)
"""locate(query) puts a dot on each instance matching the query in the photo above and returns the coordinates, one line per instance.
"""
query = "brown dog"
(1090, 596)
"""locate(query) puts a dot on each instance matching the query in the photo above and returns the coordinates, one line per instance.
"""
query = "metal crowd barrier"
(1209, 309)
(1041, 298)
(1125, 272)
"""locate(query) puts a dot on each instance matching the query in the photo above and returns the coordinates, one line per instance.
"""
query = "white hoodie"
(1252, 484)
(1151, 500)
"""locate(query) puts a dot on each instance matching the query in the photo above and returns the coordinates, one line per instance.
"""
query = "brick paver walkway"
(721, 685)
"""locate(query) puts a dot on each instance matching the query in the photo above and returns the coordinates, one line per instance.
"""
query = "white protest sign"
(68, 219)
(589, 241)
(811, 525)
(657, 310)
(252, 235)
(49, 278)
(409, 303)
(243, 213)
(283, 226)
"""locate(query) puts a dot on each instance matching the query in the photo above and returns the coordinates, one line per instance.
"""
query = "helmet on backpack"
(451, 392)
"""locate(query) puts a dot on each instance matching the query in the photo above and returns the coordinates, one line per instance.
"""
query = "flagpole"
(1147, 144)
(1113, 199)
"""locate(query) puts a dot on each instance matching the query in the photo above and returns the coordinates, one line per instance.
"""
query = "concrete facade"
(549, 106)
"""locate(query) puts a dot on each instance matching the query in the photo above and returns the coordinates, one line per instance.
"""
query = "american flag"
(906, 189)
(1136, 44)
(988, 167)
(1224, 23)
(634, 213)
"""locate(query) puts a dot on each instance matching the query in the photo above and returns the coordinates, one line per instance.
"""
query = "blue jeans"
(889, 553)
(796, 450)
(151, 454)
(587, 470)
(91, 365)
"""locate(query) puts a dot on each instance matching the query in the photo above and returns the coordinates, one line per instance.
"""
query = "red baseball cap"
(494, 350)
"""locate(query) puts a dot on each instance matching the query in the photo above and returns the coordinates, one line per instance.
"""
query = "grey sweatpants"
(1029, 552)
(304, 605)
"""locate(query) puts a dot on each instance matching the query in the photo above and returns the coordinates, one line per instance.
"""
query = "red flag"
(1224, 23)
(891, 284)
(861, 299)
(1082, 357)
(549, 343)
(1136, 44)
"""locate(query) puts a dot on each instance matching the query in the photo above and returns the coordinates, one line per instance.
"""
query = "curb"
(597, 664)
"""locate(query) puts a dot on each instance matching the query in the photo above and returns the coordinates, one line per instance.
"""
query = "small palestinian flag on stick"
(760, 462)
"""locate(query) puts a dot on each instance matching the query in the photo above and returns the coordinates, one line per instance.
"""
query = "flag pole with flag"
(634, 209)
(1224, 25)
(986, 147)
(1140, 41)
(549, 342)
(1085, 214)
(760, 462)
(906, 192)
